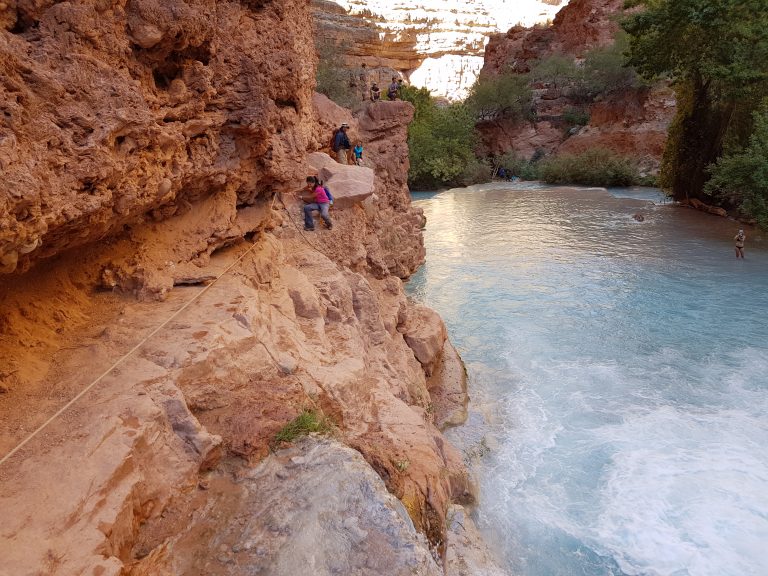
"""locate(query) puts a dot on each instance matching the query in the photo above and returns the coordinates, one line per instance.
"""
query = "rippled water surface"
(621, 371)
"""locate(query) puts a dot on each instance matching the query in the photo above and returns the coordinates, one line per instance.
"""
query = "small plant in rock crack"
(402, 465)
(308, 422)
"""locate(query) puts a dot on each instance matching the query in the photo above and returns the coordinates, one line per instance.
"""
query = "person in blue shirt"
(358, 150)
(341, 144)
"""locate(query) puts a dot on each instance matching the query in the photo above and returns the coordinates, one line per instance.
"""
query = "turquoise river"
(618, 375)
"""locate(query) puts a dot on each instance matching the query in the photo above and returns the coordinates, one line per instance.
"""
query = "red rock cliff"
(632, 122)
(156, 274)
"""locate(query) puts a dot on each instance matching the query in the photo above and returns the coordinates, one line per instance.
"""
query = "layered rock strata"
(436, 45)
(203, 321)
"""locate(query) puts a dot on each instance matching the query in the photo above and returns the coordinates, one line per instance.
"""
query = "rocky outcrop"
(436, 45)
(315, 491)
(115, 114)
(632, 122)
(190, 328)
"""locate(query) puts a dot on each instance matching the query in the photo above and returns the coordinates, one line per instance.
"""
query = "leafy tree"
(716, 52)
(504, 97)
(556, 70)
(605, 69)
(741, 178)
(440, 142)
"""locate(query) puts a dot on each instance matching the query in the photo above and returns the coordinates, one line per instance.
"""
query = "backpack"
(328, 193)
(332, 143)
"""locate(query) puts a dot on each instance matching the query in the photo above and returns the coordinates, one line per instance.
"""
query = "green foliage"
(505, 96)
(556, 70)
(595, 167)
(307, 422)
(333, 80)
(716, 52)
(441, 141)
(575, 117)
(517, 166)
(605, 69)
(741, 178)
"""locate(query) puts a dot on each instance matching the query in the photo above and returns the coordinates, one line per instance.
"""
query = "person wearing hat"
(739, 238)
(341, 144)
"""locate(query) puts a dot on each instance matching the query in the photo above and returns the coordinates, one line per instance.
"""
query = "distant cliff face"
(632, 122)
(437, 45)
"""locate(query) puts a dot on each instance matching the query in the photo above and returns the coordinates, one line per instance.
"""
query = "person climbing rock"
(375, 92)
(393, 89)
(358, 150)
(341, 144)
(739, 238)
(315, 198)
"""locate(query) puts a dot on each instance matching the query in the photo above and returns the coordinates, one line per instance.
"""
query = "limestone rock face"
(434, 44)
(118, 113)
(632, 122)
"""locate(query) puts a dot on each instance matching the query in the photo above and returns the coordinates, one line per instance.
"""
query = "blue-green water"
(621, 370)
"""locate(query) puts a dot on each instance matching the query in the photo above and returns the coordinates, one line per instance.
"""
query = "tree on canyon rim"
(716, 54)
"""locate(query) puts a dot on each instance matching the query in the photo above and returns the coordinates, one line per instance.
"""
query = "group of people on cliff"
(341, 145)
(370, 90)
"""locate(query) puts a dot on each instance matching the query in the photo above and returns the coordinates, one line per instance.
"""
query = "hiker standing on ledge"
(393, 89)
(341, 144)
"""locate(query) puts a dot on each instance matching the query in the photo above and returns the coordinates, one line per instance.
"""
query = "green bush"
(596, 167)
(517, 166)
(741, 178)
(575, 117)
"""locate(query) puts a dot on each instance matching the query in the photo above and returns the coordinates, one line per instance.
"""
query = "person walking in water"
(739, 238)
(315, 198)
(358, 150)
(341, 144)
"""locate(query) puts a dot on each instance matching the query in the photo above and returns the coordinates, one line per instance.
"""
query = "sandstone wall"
(117, 113)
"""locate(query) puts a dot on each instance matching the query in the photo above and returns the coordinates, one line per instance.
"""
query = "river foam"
(622, 366)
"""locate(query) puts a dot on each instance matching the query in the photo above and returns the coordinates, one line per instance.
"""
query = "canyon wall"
(436, 45)
(163, 314)
(632, 121)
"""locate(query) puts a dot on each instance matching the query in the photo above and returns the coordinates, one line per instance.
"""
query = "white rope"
(116, 364)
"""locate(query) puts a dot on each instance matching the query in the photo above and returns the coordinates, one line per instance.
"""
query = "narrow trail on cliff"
(122, 359)
(153, 332)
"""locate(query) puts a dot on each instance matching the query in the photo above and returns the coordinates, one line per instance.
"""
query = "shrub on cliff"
(741, 177)
(440, 142)
(503, 97)
(595, 167)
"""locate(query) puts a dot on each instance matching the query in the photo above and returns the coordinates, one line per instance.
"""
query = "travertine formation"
(150, 153)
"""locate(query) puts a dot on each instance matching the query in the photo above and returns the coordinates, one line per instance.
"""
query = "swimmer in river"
(739, 238)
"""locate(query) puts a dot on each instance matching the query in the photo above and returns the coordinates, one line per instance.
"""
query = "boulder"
(425, 334)
(349, 184)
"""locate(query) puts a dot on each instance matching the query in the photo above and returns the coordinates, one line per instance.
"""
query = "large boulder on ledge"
(349, 184)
